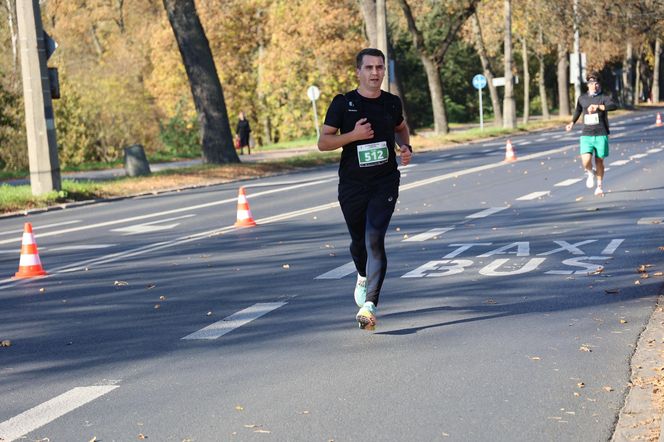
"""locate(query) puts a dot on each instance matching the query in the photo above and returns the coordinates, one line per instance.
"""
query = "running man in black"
(364, 123)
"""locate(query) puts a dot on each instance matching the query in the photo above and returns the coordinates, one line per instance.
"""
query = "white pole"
(316, 119)
(481, 111)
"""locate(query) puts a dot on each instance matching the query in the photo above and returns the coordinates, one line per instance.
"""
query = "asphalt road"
(509, 312)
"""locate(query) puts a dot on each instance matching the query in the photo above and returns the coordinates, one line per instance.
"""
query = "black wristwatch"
(410, 148)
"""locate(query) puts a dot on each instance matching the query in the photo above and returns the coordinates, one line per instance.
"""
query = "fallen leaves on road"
(623, 321)
(151, 286)
(580, 385)
(658, 274)
(42, 290)
(611, 291)
(162, 298)
(490, 301)
(535, 358)
(142, 436)
(120, 283)
(6, 343)
(607, 388)
(94, 439)
(643, 268)
(586, 348)
(239, 408)
(661, 248)
(286, 266)
(157, 306)
(597, 271)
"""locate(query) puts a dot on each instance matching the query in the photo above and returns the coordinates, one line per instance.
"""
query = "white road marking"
(657, 150)
(339, 272)
(78, 247)
(539, 140)
(151, 226)
(50, 410)
(8, 282)
(619, 163)
(612, 246)
(40, 226)
(568, 182)
(637, 156)
(486, 212)
(437, 161)
(524, 143)
(651, 220)
(236, 320)
(557, 136)
(534, 195)
(429, 234)
(170, 212)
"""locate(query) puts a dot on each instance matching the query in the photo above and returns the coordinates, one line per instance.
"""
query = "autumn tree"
(438, 29)
(216, 137)
(487, 67)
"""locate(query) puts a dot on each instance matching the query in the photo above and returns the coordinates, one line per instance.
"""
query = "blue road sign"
(479, 81)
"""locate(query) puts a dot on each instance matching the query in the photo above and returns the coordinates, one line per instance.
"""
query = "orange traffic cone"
(510, 154)
(244, 218)
(658, 121)
(29, 265)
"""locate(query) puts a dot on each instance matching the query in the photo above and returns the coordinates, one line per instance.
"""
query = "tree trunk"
(397, 87)
(628, 90)
(431, 70)
(637, 82)
(440, 125)
(655, 76)
(262, 101)
(563, 82)
(526, 82)
(509, 105)
(488, 72)
(206, 89)
(540, 78)
(369, 12)
(14, 35)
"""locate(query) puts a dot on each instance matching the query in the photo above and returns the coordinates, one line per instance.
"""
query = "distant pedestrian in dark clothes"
(242, 134)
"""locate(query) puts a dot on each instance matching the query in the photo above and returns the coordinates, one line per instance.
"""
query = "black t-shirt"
(596, 124)
(377, 156)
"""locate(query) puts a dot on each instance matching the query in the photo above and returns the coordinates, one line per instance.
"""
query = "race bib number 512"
(372, 154)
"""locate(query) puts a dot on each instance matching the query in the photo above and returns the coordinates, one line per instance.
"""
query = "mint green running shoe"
(361, 290)
(366, 317)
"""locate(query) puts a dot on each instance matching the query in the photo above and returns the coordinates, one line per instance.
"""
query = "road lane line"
(339, 272)
(236, 320)
(539, 140)
(637, 156)
(428, 234)
(524, 143)
(534, 195)
(568, 182)
(169, 212)
(8, 282)
(657, 150)
(619, 163)
(651, 220)
(50, 410)
(486, 212)
(78, 247)
(40, 226)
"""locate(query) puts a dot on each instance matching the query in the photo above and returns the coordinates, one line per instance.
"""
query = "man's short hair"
(368, 51)
(593, 76)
